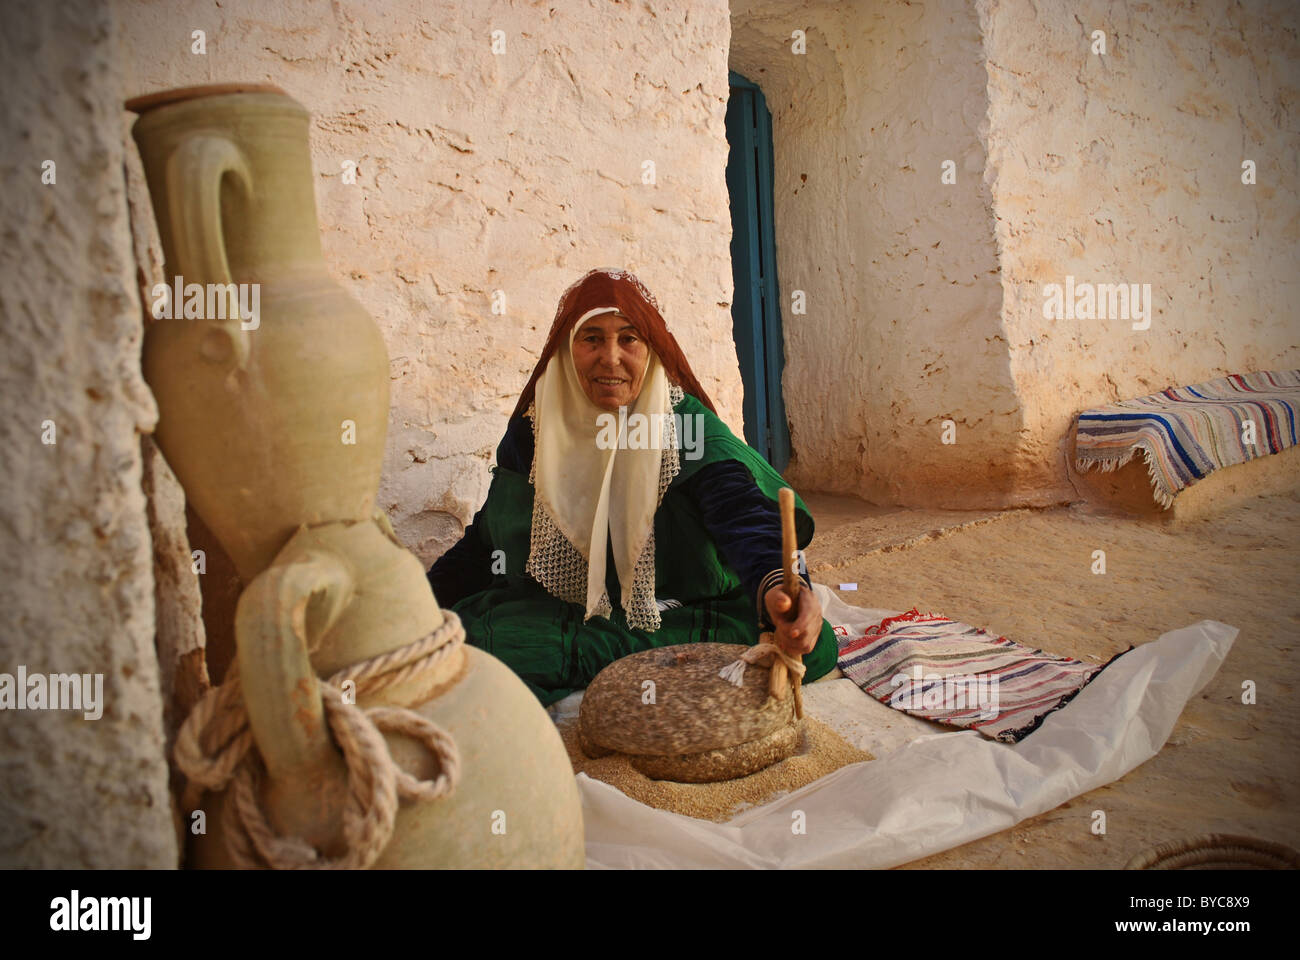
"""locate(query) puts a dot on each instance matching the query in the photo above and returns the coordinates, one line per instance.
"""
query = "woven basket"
(1217, 851)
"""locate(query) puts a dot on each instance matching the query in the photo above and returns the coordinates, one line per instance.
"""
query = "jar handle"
(280, 618)
(196, 171)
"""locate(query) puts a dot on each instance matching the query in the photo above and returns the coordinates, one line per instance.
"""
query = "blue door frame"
(756, 306)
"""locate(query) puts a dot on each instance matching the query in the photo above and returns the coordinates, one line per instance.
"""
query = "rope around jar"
(375, 782)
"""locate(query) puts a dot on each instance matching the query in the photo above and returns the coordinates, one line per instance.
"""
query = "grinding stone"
(728, 763)
(699, 728)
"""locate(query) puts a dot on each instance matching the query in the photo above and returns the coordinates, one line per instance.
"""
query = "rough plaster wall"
(1127, 168)
(479, 172)
(903, 328)
(76, 585)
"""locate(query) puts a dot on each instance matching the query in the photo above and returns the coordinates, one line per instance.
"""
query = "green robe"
(545, 641)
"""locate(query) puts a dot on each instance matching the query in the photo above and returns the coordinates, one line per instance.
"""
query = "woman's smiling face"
(611, 358)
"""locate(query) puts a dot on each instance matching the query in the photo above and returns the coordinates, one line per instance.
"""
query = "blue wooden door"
(755, 307)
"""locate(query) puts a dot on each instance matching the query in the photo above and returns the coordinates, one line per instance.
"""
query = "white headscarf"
(586, 496)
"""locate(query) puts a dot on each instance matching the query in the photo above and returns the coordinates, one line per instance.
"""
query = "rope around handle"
(375, 781)
(767, 653)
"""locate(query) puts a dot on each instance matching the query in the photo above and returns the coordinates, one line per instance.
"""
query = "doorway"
(756, 307)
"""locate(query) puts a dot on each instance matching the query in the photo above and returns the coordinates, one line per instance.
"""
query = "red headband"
(616, 288)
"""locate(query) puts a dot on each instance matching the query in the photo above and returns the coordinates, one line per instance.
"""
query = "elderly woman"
(608, 530)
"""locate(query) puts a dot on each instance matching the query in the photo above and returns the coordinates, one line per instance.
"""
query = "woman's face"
(611, 358)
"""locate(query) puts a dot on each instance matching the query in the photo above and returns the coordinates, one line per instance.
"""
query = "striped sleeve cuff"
(773, 579)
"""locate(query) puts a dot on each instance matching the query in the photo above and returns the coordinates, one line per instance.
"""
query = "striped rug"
(942, 670)
(1184, 433)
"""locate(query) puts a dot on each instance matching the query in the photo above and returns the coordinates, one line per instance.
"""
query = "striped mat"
(942, 670)
(1184, 433)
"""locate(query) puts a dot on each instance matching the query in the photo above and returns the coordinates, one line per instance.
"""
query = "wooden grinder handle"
(780, 678)
(789, 545)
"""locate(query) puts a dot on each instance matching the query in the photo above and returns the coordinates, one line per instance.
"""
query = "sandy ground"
(1228, 767)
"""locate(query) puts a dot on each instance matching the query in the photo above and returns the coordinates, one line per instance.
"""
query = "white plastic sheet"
(931, 791)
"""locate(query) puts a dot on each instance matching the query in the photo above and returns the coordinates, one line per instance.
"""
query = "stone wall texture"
(479, 172)
(76, 581)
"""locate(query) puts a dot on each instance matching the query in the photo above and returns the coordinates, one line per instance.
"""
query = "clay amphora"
(275, 427)
(281, 424)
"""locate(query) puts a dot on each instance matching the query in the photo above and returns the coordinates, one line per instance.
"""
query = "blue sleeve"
(466, 568)
(463, 570)
(744, 524)
(515, 451)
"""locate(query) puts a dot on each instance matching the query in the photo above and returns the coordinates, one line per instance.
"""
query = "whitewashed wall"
(1127, 167)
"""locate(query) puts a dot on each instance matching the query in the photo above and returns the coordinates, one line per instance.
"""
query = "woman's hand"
(797, 630)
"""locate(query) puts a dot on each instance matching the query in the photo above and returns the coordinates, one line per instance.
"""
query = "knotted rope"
(766, 654)
(375, 782)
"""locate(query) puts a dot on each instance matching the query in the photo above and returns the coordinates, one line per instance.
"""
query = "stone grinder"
(701, 712)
